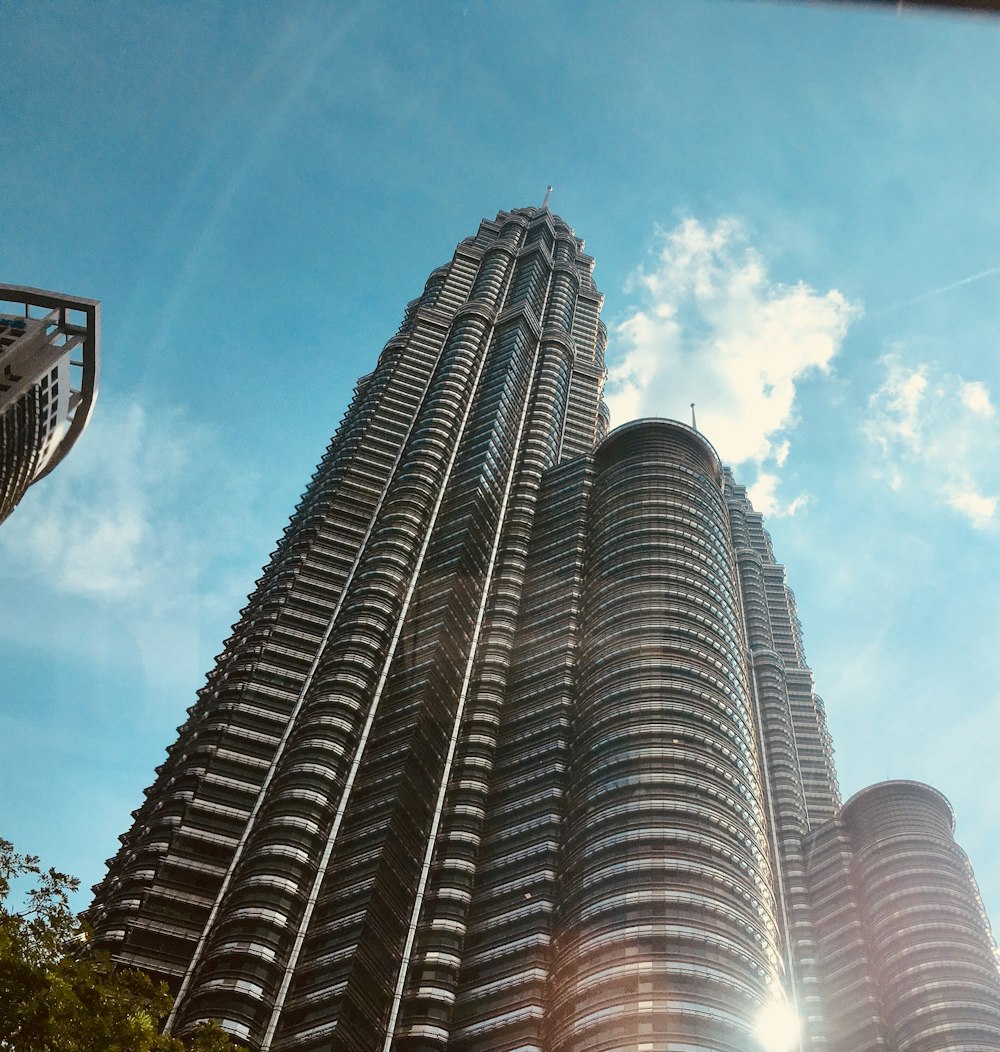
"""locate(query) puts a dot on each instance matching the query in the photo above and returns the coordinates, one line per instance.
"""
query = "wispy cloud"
(142, 503)
(936, 433)
(135, 529)
(763, 495)
(940, 290)
(715, 329)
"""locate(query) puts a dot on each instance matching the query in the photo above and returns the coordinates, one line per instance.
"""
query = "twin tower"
(514, 747)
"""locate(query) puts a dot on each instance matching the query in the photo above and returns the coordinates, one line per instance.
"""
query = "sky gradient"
(795, 215)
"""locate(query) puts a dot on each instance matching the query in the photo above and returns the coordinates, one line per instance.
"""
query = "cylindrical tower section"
(932, 947)
(668, 934)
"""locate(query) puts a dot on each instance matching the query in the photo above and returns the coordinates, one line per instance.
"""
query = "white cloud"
(763, 495)
(902, 397)
(136, 529)
(979, 510)
(936, 435)
(976, 397)
(87, 529)
(714, 329)
(133, 512)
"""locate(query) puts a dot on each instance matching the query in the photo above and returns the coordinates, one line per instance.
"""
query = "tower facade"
(514, 746)
(49, 363)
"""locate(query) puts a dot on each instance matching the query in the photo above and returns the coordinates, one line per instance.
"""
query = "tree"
(57, 994)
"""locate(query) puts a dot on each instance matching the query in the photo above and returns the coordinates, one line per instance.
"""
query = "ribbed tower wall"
(507, 957)
(667, 931)
(790, 724)
(309, 840)
(920, 972)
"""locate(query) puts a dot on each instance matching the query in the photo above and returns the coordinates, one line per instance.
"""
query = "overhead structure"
(49, 366)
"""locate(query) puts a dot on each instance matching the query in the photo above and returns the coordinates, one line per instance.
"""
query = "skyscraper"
(514, 746)
(49, 358)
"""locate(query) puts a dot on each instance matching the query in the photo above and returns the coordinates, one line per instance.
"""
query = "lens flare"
(778, 1026)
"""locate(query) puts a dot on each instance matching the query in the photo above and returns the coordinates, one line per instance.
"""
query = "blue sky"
(795, 215)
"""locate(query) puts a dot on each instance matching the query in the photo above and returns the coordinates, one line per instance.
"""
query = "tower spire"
(548, 193)
(694, 422)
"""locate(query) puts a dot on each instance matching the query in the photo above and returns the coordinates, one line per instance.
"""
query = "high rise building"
(514, 746)
(49, 357)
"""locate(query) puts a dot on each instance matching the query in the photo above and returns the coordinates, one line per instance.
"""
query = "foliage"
(57, 995)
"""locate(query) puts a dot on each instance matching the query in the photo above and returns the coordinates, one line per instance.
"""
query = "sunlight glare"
(778, 1027)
